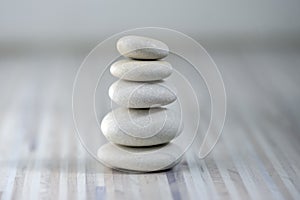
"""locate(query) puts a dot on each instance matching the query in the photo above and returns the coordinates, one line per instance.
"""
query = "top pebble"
(142, 48)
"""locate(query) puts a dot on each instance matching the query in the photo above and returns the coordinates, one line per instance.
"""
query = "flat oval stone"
(141, 127)
(141, 159)
(136, 70)
(142, 48)
(141, 95)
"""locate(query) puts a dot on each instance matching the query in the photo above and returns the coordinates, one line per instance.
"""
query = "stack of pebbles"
(140, 130)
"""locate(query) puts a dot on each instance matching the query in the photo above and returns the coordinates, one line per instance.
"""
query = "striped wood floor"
(258, 156)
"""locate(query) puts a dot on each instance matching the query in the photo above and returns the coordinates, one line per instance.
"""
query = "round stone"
(141, 127)
(142, 48)
(142, 159)
(141, 95)
(136, 70)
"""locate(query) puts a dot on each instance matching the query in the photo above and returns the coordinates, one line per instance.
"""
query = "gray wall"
(38, 20)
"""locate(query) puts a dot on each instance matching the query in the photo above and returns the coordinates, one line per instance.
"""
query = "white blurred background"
(68, 23)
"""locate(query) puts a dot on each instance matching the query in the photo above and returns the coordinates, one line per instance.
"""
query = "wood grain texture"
(258, 156)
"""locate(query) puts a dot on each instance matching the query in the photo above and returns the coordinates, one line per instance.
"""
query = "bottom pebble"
(140, 159)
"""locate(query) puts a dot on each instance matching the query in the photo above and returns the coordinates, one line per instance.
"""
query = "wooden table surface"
(258, 156)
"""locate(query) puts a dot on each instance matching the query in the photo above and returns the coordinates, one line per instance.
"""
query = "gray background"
(69, 21)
